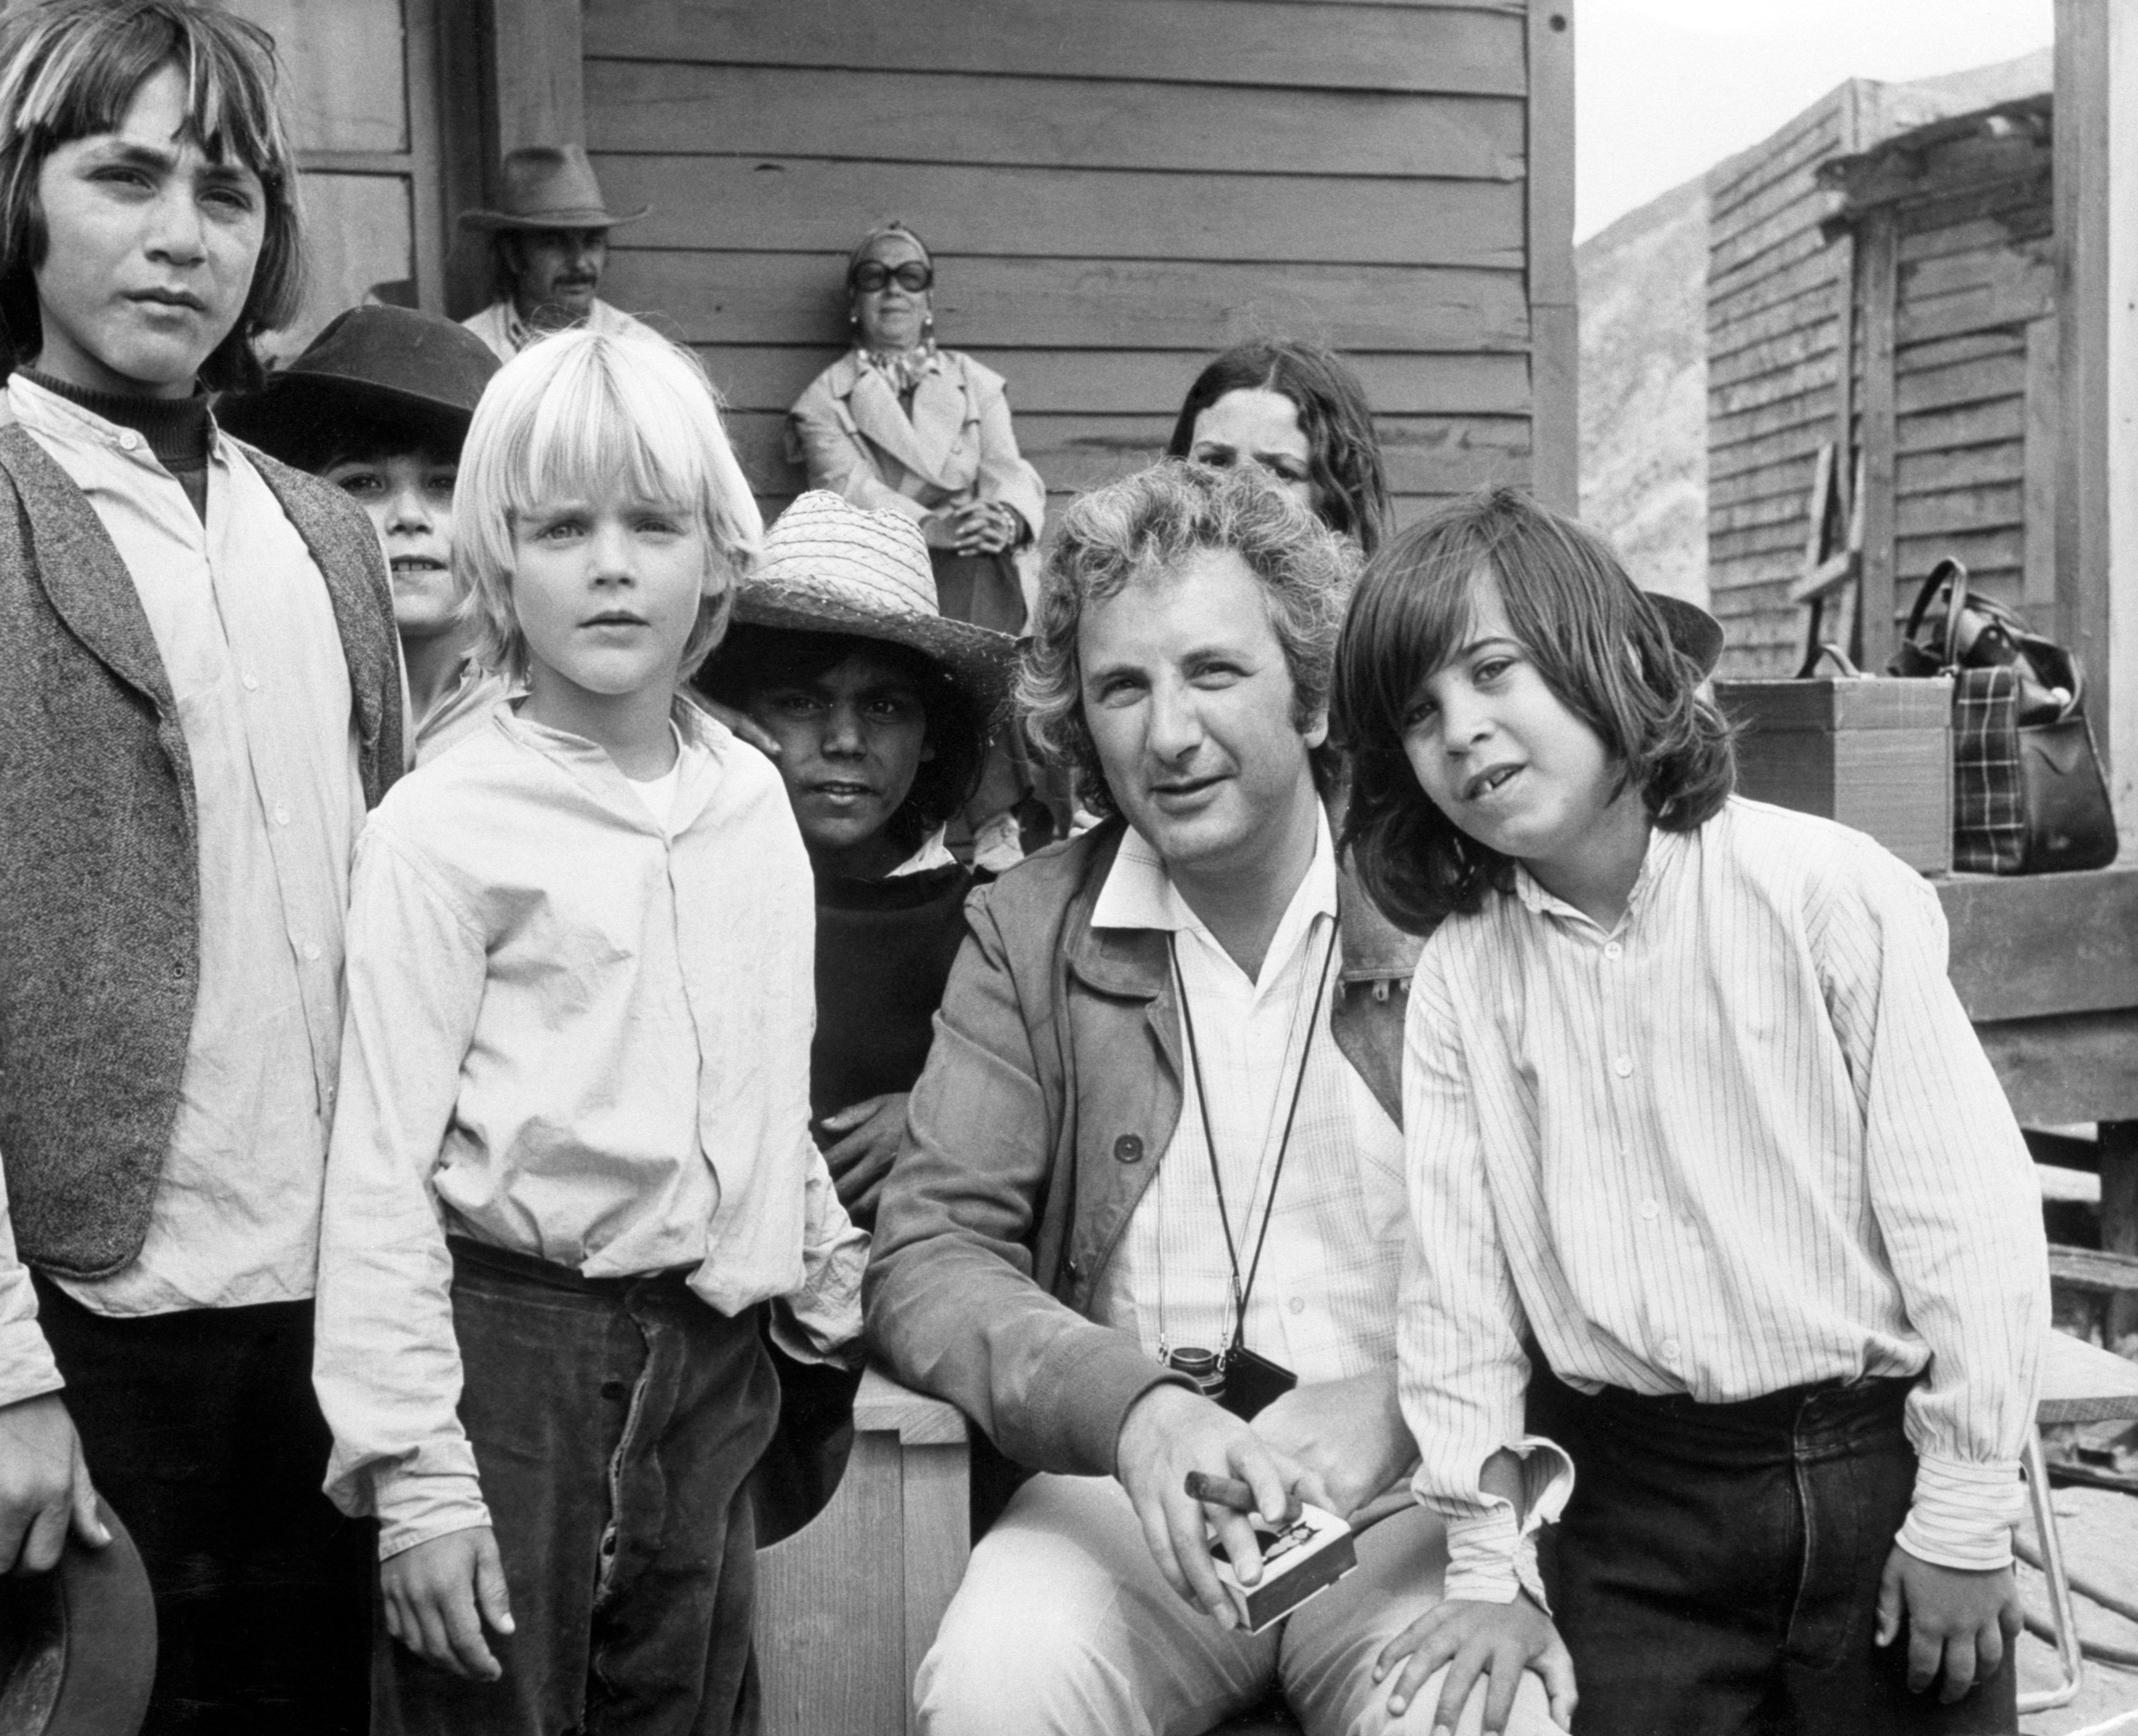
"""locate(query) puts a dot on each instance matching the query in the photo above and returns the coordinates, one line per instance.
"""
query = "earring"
(928, 325)
(852, 318)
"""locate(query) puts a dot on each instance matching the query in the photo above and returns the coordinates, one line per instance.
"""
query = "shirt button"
(312, 951)
(1649, 1210)
(129, 440)
(281, 815)
(1613, 949)
(1297, 1304)
(1129, 1148)
(1671, 1347)
(252, 683)
(1623, 1066)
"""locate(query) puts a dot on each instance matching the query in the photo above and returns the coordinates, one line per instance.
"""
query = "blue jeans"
(614, 1423)
(1718, 1565)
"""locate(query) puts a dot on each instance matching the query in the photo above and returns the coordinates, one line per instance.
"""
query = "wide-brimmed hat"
(78, 1645)
(1697, 634)
(372, 364)
(549, 187)
(830, 567)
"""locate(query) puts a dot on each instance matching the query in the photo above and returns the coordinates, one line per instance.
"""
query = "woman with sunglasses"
(899, 424)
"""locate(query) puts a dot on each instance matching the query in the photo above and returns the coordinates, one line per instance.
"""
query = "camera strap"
(1242, 1289)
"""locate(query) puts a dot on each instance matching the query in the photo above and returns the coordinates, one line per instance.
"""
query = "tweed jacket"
(99, 861)
(1052, 1090)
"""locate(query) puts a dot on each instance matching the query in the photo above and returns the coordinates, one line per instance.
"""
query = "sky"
(1665, 88)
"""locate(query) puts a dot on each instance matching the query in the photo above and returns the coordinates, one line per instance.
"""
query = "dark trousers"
(1718, 1566)
(614, 1423)
(200, 1429)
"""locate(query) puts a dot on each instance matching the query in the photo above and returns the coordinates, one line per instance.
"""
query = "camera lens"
(1200, 1366)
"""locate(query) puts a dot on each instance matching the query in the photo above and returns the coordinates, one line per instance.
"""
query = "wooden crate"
(1870, 752)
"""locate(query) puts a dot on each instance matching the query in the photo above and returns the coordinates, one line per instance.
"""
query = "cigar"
(1231, 1492)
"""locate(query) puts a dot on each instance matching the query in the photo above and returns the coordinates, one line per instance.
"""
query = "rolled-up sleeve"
(1953, 1192)
(27, 1367)
(1462, 1371)
(387, 1365)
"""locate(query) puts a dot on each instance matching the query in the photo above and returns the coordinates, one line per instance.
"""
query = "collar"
(1138, 893)
(930, 855)
(700, 743)
(67, 415)
(1663, 850)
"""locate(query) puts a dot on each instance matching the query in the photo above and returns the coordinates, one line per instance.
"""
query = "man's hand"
(44, 1486)
(742, 724)
(860, 1159)
(1351, 1433)
(433, 1592)
(1959, 1622)
(1498, 1641)
(1170, 1431)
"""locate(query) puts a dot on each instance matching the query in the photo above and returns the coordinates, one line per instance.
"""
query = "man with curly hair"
(1149, 1217)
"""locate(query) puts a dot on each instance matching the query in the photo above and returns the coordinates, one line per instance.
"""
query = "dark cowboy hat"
(549, 187)
(78, 1645)
(388, 365)
(830, 567)
(1697, 634)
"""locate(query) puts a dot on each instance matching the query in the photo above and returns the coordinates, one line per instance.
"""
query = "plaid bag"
(1988, 814)
(2027, 796)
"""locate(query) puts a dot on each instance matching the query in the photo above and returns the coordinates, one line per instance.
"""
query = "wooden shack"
(1115, 190)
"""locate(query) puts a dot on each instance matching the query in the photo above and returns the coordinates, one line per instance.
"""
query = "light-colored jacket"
(1052, 1089)
(849, 431)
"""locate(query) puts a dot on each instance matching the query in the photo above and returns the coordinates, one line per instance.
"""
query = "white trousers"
(1064, 1627)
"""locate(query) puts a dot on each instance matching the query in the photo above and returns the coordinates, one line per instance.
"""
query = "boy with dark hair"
(199, 698)
(378, 405)
(1688, 1097)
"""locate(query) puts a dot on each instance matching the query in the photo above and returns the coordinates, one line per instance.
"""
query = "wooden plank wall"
(1775, 290)
(1114, 189)
(1975, 293)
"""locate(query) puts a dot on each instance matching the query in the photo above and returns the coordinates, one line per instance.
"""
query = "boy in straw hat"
(880, 708)
(548, 248)
(572, 1162)
(378, 405)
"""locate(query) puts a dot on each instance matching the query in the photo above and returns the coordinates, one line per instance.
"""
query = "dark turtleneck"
(176, 428)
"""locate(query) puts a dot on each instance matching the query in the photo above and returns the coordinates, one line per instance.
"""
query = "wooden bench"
(847, 1606)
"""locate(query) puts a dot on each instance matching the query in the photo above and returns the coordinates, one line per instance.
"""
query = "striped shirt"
(1324, 1302)
(1744, 1141)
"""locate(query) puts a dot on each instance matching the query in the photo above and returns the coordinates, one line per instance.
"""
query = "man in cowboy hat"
(378, 405)
(549, 247)
(1149, 1217)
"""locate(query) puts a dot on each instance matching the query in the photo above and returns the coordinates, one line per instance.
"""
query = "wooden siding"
(1115, 190)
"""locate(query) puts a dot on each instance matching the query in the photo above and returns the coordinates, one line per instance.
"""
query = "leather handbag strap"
(1827, 651)
(1946, 570)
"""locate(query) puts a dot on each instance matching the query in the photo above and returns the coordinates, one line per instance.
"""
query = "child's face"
(1500, 754)
(607, 591)
(151, 249)
(410, 498)
(851, 743)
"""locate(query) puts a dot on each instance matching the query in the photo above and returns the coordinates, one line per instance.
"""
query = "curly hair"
(753, 658)
(69, 69)
(1344, 453)
(1600, 644)
(1150, 523)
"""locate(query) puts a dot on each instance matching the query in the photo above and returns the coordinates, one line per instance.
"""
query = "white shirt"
(246, 631)
(1324, 1302)
(1746, 1141)
(576, 1032)
(500, 327)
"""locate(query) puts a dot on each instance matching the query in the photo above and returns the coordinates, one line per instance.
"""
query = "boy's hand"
(44, 1486)
(432, 1593)
(1351, 1431)
(1170, 1431)
(741, 724)
(869, 1132)
(1499, 1641)
(1959, 1622)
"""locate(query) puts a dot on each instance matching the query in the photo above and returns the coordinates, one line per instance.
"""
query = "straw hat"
(830, 567)
(418, 371)
(549, 187)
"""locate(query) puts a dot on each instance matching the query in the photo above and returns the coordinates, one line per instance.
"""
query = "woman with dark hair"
(900, 425)
(1298, 411)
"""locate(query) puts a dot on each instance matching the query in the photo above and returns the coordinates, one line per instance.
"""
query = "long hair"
(1344, 453)
(69, 69)
(753, 658)
(582, 414)
(1601, 646)
(1151, 523)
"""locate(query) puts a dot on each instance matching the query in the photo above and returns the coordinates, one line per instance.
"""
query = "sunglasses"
(871, 276)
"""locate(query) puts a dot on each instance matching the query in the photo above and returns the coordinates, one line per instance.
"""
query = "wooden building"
(1115, 190)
